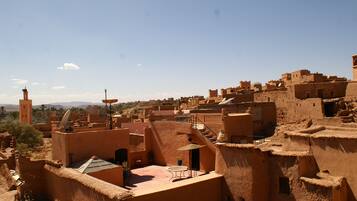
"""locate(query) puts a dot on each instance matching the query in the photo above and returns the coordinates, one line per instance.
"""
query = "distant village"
(291, 139)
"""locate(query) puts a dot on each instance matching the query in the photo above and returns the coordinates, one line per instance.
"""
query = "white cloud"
(58, 87)
(35, 83)
(138, 65)
(19, 81)
(69, 66)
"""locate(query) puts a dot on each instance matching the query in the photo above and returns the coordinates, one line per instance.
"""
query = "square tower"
(25, 110)
(354, 67)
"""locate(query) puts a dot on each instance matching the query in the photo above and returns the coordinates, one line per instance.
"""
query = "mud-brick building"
(309, 95)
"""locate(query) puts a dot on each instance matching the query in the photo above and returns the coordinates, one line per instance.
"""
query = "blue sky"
(72, 50)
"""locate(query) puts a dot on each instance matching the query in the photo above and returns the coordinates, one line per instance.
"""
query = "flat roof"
(150, 177)
(326, 132)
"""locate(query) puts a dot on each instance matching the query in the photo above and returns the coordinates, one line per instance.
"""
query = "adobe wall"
(252, 174)
(311, 108)
(202, 188)
(351, 90)
(60, 147)
(296, 142)
(339, 157)
(167, 137)
(264, 117)
(138, 159)
(64, 184)
(136, 142)
(279, 97)
(292, 166)
(83, 145)
(241, 98)
(10, 162)
(212, 120)
(238, 126)
(245, 170)
(32, 173)
(113, 176)
(135, 127)
(329, 90)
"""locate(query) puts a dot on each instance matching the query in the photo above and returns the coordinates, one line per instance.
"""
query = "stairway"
(209, 135)
(206, 135)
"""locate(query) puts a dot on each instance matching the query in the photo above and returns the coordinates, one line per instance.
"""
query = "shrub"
(27, 137)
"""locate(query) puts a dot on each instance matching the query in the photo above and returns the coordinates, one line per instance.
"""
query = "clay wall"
(138, 159)
(85, 129)
(64, 184)
(297, 76)
(10, 162)
(280, 98)
(246, 172)
(293, 167)
(351, 90)
(213, 93)
(245, 85)
(254, 175)
(241, 98)
(76, 147)
(203, 188)
(311, 108)
(339, 157)
(135, 127)
(113, 175)
(32, 173)
(263, 113)
(211, 120)
(167, 137)
(136, 142)
(238, 127)
(320, 90)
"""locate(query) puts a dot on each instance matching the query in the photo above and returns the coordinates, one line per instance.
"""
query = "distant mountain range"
(58, 105)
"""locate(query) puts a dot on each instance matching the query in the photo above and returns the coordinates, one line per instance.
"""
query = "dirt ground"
(44, 151)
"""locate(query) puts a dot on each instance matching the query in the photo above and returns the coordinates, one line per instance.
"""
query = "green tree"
(27, 137)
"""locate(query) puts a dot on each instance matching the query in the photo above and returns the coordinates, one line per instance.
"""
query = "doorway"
(330, 109)
(121, 155)
(195, 159)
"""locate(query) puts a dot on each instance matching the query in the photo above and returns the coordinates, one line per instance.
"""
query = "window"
(284, 185)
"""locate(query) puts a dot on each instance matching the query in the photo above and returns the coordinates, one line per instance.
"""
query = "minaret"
(25, 108)
(354, 67)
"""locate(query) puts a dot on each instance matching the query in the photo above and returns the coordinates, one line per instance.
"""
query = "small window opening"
(284, 185)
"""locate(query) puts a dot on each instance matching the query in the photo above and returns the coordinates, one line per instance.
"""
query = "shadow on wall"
(343, 145)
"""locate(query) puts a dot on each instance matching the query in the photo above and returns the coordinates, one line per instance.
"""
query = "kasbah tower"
(25, 109)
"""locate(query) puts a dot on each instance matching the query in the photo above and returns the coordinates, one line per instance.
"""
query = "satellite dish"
(65, 124)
